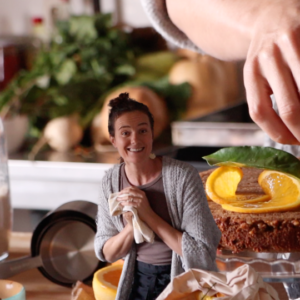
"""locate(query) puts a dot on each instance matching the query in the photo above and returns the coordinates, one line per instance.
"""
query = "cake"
(265, 232)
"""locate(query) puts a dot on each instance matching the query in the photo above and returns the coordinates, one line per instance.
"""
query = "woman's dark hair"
(124, 104)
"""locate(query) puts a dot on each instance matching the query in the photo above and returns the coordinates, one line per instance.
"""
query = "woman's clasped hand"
(136, 198)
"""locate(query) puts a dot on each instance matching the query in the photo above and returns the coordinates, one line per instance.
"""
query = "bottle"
(39, 29)
(5, 206)
(61, 12)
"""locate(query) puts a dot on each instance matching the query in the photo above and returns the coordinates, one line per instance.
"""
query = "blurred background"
(61, 61)
(16, 16)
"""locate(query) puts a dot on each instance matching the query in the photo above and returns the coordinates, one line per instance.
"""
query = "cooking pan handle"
(16, 266)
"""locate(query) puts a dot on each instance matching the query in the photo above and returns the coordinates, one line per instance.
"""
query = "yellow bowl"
(105, 282)
(11, 290)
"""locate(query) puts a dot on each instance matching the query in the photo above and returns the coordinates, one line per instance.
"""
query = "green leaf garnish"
(257, 157)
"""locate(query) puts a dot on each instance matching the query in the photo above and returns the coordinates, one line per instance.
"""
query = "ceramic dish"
(11, 290)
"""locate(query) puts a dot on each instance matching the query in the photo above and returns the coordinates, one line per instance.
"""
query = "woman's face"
(133, 137)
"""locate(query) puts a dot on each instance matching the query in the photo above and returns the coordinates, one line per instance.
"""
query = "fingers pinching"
(286, 95)
(258, 87)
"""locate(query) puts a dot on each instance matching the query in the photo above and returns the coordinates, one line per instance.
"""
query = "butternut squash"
(214, 82)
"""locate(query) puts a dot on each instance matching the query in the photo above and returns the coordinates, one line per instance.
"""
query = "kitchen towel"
(141, 231)
(244, 283)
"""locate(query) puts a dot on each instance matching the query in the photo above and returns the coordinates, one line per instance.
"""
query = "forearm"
(169, 235)
(119, 245)
(221, 28)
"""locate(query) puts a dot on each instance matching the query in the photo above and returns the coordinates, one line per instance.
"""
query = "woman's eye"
(144, 130)
(124, 133)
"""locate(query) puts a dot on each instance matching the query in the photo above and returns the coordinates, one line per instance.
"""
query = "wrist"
(148, 215)
(128, 227)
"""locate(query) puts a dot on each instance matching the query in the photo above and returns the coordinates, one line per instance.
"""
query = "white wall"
(16, 15)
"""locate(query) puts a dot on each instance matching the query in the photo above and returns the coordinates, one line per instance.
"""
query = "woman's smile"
(135, 150)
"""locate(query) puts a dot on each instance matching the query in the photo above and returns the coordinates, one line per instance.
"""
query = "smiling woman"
(131, 132)
(160, 193)
(133, 137)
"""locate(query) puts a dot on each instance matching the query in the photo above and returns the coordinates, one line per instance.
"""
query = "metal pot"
(62, 246)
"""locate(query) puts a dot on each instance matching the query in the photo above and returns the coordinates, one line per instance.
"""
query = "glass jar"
(5, 207)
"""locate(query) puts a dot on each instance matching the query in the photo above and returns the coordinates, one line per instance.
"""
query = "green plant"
(87, 58)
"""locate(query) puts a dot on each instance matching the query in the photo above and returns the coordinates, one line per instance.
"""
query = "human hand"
(128, 217)
(273, 66)
(136, 198)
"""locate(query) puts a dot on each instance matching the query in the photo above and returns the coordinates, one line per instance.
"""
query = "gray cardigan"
(189, 213)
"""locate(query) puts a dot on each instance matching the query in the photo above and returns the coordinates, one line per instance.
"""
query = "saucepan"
(62, 246)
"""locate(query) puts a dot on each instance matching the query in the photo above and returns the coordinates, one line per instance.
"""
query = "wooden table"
(36, 285)
(40, 288)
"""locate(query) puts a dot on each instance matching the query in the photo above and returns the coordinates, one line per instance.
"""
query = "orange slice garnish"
(283, 189)
(222, 183)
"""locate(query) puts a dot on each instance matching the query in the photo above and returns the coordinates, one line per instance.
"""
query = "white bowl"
(15, 129)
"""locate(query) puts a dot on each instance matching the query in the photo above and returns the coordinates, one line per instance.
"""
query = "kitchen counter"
(36, 285)
(39, 288)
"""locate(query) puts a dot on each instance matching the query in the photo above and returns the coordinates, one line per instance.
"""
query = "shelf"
(231, 126)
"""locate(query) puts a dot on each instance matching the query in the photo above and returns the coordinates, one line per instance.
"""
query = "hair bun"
(120, 101)
(124, 96)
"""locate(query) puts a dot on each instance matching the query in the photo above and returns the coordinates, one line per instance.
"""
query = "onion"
(156, 105)
(61, 134)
